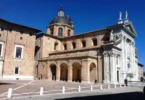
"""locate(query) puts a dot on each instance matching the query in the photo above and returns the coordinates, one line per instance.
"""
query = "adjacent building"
(140, 71)
(17, 46)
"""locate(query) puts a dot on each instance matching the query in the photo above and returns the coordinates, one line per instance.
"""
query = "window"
(94, 42)
(83, 43)
(60, 31)
(2, 28)
(107, 37)
(21, 38)
(65, 46)
(21, 32)
(18, 52)
(55, 46)
(73, 45)
(10, 29)
(30, 34)
(16, 70)
(51, 31)
(68, 34)
(0, 49)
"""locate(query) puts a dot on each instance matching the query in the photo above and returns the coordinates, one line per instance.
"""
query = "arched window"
(73, 45)
(60, 31)
(94, 41)
(65, 46)
(83, 43)
(55, 46)
(51, 31)
(68, 33)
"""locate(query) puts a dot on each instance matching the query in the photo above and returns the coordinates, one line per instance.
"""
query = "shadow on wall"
(121, 96)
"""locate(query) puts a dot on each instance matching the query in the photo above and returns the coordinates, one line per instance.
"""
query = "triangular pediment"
(129, 26)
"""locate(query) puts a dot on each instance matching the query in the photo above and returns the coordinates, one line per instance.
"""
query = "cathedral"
(107, 55)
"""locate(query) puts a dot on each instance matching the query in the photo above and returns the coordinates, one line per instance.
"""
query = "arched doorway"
(76, 72)
(63, 72)
(53, 71)
(93, 72)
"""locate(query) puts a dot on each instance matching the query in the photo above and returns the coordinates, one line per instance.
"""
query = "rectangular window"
(1, 49)
(95, 42)
(16, 70)
(18, 51)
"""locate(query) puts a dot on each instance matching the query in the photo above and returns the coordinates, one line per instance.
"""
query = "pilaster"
(106, 68)
(100, 70)
(58, 72)
(113, 67)
(70, 73)
(85, 73)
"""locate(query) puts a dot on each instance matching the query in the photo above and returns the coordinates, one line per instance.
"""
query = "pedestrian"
(125, 82)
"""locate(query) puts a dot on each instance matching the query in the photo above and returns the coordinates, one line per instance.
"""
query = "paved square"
(22, 88)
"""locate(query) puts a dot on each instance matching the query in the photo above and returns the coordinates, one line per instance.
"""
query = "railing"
(13, 93)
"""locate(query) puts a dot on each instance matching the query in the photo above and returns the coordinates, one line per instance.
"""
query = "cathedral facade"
(107, 55)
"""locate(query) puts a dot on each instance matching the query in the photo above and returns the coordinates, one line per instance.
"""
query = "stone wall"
(15, 35)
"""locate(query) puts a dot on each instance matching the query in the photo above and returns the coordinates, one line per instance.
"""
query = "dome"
(62, 20)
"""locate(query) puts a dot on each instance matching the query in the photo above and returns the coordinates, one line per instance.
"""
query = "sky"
(87, 15)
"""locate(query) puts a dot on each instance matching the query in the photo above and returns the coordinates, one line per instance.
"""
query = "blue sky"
(86, 14)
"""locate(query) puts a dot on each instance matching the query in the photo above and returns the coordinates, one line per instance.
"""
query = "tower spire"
(126, 17)
(120, 18)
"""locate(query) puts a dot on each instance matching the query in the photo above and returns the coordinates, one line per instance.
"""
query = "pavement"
(125, 93)
(30, 90)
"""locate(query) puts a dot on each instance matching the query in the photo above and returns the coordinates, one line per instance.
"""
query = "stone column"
(49, 73)
(70, 74)
(58, 72)
(100, 70)
(85, 73)
(123, 63)
(113, 67)
(39, 68)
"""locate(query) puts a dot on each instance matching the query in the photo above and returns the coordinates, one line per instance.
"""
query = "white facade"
(123, 49)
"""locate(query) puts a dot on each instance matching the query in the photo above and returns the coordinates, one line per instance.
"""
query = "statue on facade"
(111, 35)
